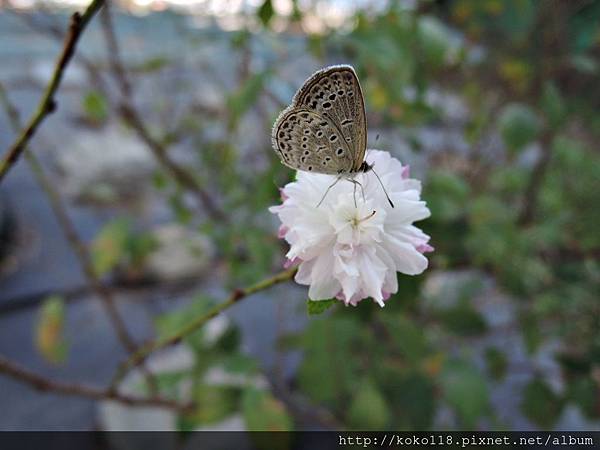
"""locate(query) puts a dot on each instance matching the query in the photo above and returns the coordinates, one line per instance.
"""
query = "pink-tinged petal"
(340, 296)
(385, 295)
(282, 231)
(291, 262)
(425, 248)
(405, 256)
(283, 195)
(405, 172)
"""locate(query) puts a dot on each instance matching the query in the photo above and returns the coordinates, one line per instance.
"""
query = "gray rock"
(105, 166)
(181, 253)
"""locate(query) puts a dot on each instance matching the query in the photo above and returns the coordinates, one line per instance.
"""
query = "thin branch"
(39, 382)
(131, 116)
(159, 151)
(140, 356)
(536, 179)
(47, 104)
(81, 252)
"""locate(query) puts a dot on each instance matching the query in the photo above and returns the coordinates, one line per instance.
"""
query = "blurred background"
(159, 159)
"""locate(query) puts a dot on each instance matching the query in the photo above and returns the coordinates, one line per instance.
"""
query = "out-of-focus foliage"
(49, 332)
(515, 209)
(223, 380)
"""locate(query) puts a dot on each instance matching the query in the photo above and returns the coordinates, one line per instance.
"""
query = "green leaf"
(553, 105)
(412, 397)
(446, 194)
(435, 40)
(584, 392)
(368, 409)
(152, 64)
(465, 389)
(315, 307)
(242, 100)
(329, 369)
(171, 323)
(407, 336)
(518, 126)
(463, 320)
(496, 363)
(266, 12)
(214, 404)
(240, 364)
(182, 213)
(531, 332)
(540, 404)
(263, 412)
(109, 246)
(49, 338)
(95, 106)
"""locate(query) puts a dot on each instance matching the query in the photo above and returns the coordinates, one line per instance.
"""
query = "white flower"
(353, 252)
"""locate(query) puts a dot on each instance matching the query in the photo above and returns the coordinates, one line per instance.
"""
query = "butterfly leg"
(362, 190)
(328, 189)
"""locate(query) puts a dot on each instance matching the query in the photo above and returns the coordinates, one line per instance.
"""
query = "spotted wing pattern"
(324, 130)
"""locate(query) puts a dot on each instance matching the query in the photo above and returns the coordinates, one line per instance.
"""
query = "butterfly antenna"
(383, 187)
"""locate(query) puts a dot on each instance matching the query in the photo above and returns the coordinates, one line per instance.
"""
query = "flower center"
(356, 221)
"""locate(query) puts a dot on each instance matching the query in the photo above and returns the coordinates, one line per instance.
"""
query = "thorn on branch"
(52, 105)
(237, 295)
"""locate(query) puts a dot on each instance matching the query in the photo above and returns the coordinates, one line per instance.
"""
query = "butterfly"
(324, 130)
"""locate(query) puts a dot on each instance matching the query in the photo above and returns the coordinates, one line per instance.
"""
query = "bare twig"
(131, 116)
(47, 103)
(159, 151)
(39, 382)
(140, 356)
(60, 211)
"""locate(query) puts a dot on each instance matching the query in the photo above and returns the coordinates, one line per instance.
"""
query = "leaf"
(368, 409)
(95, 106)
(412, 397)
(447, 194)
(409, 338)
(49, 338)
(315, 307)
(109, 246)
(263, 412)
(329, 369)
(553, 105)
(585, 393)
(266, 12)
(496, 363)
(540, 404)
(465, 389)
(518, 126)
(435, 40)
(463, 320)
(214, 403)
(182, 213)
(242, 100)
(240, 364)
(152, 64)
(171, 323)
(531, 332)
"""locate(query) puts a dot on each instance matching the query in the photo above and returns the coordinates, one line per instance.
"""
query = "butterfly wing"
(305, 140)
(335, 94)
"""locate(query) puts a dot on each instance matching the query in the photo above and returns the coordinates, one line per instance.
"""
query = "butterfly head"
(365, 167)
